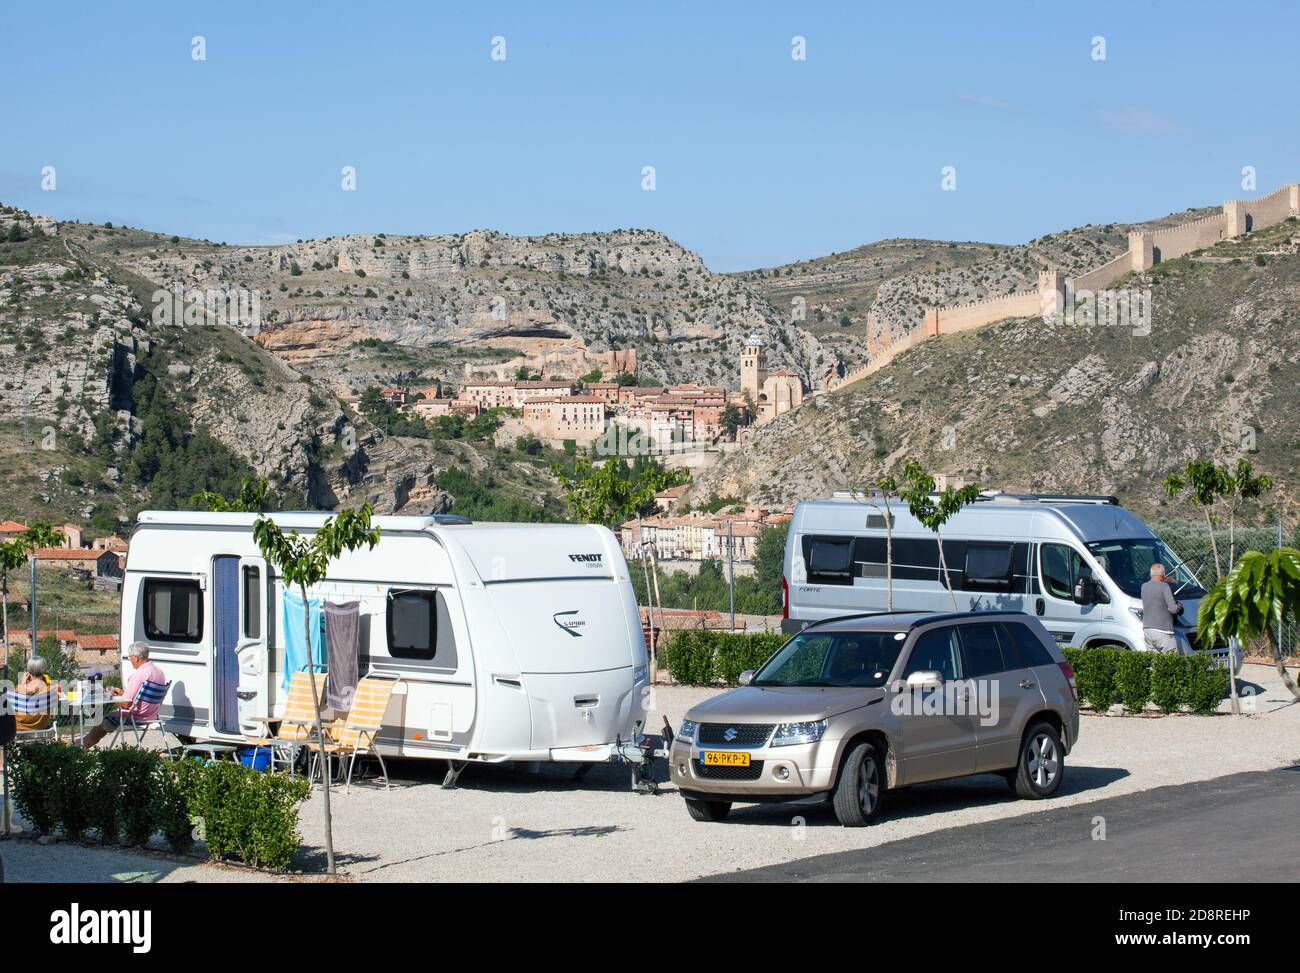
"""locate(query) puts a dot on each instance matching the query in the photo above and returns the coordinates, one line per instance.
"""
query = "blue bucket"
(258, 758)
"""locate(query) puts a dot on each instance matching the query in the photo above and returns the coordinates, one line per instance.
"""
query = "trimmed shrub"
(50, 783)
(132, 794)
(243, 814)
(1136, 678)
(702, 658)
(1133, 679)
(1169, 682)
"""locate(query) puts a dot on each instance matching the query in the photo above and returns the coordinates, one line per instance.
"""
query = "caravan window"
(829, 559)
(173, 610)
(252, 602)
(988, 567)
(412, 624)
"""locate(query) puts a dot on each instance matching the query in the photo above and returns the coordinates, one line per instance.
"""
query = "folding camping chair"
(149, 693)
(35, 704)
(296, 723)
(356, 735)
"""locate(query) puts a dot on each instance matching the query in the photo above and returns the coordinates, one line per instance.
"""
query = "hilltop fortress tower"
(771, 393)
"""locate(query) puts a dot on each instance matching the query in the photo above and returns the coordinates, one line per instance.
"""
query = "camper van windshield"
(833, 659)
(1129, 565)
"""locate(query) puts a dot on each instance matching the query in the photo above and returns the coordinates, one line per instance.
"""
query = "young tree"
(1205, 483)
(1258, 595)
(934, 509)
(251, 499)
(609, 494)
(13, 555)
(886, 489)
(305, 563)
(1243, 485)
(38, 535)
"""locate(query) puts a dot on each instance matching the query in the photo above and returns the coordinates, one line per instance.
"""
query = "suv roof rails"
(925, 618)
(998, 496)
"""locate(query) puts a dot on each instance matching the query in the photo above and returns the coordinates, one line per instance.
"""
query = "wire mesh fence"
(1191, 542)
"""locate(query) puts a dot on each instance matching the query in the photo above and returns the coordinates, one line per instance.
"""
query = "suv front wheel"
(707, 810)
(860, 787)
(1042, 763)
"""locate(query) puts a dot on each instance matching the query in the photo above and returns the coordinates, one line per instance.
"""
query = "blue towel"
(295, 643)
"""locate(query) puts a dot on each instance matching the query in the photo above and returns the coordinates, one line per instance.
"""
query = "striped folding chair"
(150, 693)
(295, 726)
(356, 735)
(35, 704)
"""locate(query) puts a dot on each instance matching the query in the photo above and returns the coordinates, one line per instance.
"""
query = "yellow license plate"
(724, 758)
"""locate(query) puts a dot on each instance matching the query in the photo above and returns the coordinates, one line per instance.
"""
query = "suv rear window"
(1030, 648)
(982, 650)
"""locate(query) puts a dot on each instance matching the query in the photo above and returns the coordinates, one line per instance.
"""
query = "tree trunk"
(889, 558)
(943, 562)
(320, 733)
(1214, 545)
(1276, 646)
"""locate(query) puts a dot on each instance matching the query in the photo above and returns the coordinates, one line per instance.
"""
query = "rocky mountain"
(1032, 405)
(326, 305)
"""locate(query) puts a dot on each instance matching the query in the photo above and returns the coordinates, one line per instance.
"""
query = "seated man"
(33, 682)
(143, 671)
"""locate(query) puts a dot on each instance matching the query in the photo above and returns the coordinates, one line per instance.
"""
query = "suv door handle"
(1026, 684)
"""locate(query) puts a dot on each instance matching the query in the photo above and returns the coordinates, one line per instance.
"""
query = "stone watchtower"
(753, 367)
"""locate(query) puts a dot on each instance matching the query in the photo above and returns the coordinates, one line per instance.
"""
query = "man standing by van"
(1158, 610)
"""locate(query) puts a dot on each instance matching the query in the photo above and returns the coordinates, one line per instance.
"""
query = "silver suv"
(852, 707)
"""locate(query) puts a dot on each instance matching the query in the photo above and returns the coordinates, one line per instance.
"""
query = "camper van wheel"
(454, 770)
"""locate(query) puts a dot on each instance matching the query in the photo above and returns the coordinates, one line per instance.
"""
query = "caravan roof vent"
(449, 520)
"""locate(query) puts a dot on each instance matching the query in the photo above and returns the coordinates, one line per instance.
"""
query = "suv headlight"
(788, 734)
(686, 732)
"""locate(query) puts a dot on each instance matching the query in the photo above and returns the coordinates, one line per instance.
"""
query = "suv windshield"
(1129, 565)
(833, 659)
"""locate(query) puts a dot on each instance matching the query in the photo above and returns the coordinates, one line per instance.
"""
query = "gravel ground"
(510, 824)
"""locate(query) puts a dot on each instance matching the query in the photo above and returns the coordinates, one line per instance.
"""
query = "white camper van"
(1075, 563)
(506, 641)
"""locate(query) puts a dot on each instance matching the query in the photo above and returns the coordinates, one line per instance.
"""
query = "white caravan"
(1076, 563)
(507, 641)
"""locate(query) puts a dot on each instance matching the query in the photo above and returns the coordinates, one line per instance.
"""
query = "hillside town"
(604, 415)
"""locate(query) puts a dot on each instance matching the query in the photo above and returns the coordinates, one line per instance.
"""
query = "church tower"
(753, 367)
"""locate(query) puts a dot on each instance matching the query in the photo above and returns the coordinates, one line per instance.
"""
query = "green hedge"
(705, 658)
(129, 795)
(1108, 676)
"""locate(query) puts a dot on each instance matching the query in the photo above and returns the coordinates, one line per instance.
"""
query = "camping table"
(87, 701)
(215, 751)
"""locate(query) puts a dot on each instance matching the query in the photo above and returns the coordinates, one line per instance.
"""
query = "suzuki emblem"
(731, 734)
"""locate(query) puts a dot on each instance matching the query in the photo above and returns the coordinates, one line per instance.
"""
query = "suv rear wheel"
(860, 787)
(707, 810)
(1042, 763)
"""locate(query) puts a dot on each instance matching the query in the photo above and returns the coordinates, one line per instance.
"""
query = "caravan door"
(253, 696)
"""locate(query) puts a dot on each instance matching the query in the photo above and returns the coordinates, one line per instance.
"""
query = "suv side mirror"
(924, 679)
(746, 677)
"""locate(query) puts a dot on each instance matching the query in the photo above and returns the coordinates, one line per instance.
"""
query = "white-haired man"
(1159, 608)
(142, 671)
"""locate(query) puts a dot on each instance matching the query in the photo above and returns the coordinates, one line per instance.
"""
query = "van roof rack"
(1001, 496)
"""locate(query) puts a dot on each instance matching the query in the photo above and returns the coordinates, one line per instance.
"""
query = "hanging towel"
(342, 631)
(295, 641)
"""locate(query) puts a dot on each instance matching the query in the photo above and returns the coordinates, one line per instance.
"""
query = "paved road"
(1229, 829)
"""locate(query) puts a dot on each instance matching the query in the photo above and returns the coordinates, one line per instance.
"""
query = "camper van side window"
(829, 560)
(173, 610)
(1062, 565)
(412, 624)
(988, 567)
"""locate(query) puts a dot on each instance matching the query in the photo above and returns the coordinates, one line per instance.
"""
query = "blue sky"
(759, 159)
